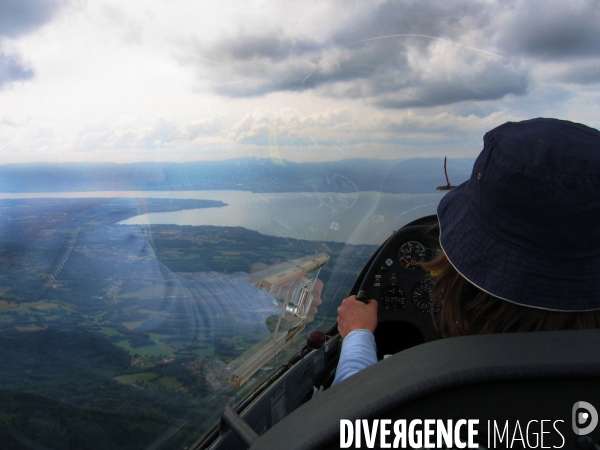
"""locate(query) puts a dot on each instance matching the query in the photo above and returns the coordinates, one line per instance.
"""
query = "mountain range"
(412, 175)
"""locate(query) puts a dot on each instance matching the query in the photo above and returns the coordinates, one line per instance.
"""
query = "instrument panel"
(403, 288)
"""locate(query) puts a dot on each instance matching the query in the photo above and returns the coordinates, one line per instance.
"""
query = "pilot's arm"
(356, 323)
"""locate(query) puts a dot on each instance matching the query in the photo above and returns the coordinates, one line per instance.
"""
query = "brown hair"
(466, 309)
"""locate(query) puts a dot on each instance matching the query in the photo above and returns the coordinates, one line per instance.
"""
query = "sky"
(308, 80)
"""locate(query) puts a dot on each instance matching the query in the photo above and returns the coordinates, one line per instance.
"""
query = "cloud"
(160, 133)
(444, 74)
(129, 29)
(423, 18)
(443, 123)
(287, 133)
(128, 133)
(270, 46)
(13, 69)
(206, 126)
(251, 65)
(8, 123)
(343, 132)
(391, 54)
(560, 30)
(19, 17)
(288, 126)
(584, 73)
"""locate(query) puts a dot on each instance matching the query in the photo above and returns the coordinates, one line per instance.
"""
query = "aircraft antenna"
(448, 186)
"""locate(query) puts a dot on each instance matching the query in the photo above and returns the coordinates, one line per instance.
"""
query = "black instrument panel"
(403, 288)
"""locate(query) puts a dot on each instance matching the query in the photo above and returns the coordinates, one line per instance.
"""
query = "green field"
(131, 379)
(150, 350)
(170, 383)
(110, 331)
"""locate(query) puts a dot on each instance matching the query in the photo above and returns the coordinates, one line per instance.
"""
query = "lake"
(352, 217)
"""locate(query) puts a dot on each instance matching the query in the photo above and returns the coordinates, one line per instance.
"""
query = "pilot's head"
(521, 237)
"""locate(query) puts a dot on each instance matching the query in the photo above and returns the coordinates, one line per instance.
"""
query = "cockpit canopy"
(161, 162)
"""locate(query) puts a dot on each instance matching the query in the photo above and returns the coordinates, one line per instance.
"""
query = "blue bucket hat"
(526, 226)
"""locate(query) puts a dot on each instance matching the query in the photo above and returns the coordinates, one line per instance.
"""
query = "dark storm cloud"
(250, 65)
(305, 66)
(13, 69)
(388, 55)
(273, 46)
(18, 17)
(583, 73)
(425, 18)
(458, 90)
(382, 72)
(561, 30)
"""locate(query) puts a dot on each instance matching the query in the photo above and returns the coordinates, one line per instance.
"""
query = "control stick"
(362, 297)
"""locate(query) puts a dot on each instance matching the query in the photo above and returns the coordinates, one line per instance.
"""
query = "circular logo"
(582, 413)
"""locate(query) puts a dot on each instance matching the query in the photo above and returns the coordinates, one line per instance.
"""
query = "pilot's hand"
(353, 315)
(316, 301)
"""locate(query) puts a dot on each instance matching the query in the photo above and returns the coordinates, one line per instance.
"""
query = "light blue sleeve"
(358, 352)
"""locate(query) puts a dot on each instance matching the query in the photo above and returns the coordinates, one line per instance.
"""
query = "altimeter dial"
(422, 296)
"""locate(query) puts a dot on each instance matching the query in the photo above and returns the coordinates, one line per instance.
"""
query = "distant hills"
(414, 175)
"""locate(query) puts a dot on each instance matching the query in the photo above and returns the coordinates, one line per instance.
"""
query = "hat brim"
(508, 272)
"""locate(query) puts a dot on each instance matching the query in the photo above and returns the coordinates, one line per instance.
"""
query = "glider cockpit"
(502, 379)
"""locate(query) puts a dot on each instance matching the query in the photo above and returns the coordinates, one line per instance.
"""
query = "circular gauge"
(422, 296)
(411, 254)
